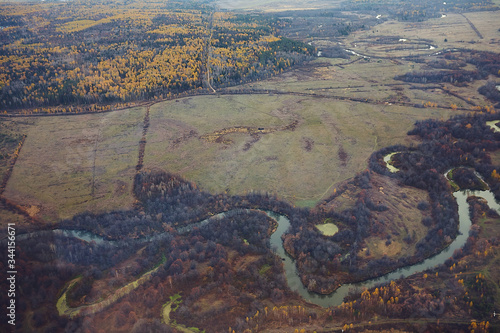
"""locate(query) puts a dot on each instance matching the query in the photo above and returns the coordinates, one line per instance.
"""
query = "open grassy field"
(10, 137)
(339, 77)
(297, 146)
(77, 163)
(400, 220)
(330, 143)
(276, 5)
(302, 165)
(455, 28)
(326, 142)
(372, 81)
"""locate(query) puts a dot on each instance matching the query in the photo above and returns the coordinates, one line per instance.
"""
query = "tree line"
(92, 57)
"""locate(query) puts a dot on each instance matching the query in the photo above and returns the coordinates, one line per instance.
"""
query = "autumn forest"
(250, 166)
(90, 55)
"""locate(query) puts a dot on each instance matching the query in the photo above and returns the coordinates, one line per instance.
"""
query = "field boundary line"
(12, 163)
(473, 27)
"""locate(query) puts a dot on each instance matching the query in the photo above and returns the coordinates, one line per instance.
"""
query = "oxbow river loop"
(336, 298)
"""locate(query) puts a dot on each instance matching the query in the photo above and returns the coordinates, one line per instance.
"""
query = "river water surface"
(336, 298)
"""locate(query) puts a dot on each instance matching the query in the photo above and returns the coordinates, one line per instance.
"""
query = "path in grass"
(64, 309)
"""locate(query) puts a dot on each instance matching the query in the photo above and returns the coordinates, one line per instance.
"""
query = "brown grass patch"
(72, 164)
(402, 219)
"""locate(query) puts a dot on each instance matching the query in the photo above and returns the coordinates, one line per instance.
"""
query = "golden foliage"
(84, 55)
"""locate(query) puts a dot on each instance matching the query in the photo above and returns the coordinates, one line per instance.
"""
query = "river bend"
(336, 298)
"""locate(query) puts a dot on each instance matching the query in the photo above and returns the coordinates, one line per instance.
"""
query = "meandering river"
(336, 298)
